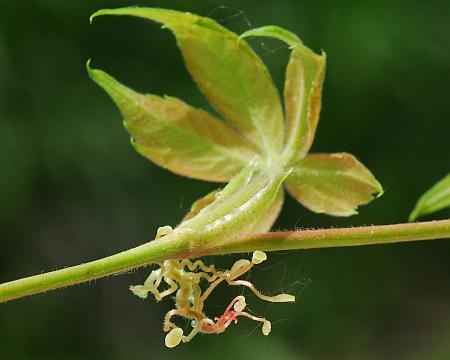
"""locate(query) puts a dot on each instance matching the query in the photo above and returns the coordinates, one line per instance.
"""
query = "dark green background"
(72, 189)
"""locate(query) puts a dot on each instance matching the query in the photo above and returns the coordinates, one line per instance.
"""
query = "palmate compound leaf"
(176, 136)
(232, 77)
(238, 84)
(435, 199)
(334, 184)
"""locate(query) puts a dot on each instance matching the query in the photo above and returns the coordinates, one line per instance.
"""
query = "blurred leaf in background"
(72, 189)
(434, 199)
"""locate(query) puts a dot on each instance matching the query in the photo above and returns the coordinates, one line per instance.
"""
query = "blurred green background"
(72, 189)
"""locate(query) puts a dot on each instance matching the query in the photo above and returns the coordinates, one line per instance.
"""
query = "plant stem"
(171, 247)
(339, 237)
(142, 255)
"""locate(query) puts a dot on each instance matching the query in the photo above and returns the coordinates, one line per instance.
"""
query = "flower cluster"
(184, 277)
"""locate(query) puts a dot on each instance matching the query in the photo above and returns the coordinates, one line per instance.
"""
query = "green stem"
(142, 255)
(173, 247)
(339, 237)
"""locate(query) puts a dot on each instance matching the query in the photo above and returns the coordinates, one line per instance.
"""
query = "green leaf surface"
(201, 203)
(435, 199)
(271, 214)
(176, 136)
(228, 72)
(334, 184)
(302, 91)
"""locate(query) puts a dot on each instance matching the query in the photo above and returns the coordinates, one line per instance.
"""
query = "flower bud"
(174, 337)
(258, 257)
(267, 327)
(240, 304)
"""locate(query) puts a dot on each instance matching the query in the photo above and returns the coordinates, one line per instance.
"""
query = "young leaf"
(228, 72)
(302, 91)
(176, 136)
(334, 184)
(435, 199)
(236, 81)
